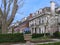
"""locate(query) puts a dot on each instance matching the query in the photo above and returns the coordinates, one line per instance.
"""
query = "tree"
(8, 11)
(57, 3)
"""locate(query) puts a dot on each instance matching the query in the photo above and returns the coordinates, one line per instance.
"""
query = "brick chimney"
(30, 15)
(38, 12)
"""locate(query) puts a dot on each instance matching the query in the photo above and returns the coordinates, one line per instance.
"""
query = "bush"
(11, 38)
(56, 34)
(39, 35)
(47, 34)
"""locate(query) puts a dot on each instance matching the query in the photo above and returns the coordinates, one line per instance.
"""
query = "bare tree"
(57, 3)
(8, 11)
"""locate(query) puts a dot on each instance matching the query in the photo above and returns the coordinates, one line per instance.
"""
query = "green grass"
(41, 38)
(57, 43)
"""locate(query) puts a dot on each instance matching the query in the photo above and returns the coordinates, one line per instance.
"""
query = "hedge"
(11, 37)
(56, 34)
(39, 35)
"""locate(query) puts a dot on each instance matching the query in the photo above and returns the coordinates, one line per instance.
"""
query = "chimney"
(38, 12)
(52, 8)
(30, 15)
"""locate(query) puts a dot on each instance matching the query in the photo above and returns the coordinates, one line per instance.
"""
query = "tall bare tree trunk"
(4, 19)
(4, 27)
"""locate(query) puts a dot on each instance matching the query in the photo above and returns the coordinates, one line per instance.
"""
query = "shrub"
(12, 37)
(39, 35)
(56, 34)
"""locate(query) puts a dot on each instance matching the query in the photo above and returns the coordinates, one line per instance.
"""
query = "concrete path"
(55, 40)
(23, 44)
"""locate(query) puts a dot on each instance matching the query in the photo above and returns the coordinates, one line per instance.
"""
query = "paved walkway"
(55, 40)
(28, 43)
(24, 44)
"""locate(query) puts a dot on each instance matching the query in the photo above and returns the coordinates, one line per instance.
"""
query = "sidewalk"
(55, 40)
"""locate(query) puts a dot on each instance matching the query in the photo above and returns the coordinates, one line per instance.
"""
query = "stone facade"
(45, 20)
(37, 23)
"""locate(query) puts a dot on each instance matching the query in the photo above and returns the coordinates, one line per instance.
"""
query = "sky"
(31, 6)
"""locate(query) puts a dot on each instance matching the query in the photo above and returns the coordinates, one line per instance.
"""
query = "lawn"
(41, 38)
(57, 43)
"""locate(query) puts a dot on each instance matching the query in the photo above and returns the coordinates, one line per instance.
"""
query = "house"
(45, 20)
(24, 25)
(14, 28)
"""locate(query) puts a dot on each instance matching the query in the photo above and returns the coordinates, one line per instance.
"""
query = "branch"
(4, 2)
(20, 3)
(1, 13)
(8, 8)
(4, 12)
(14, 10)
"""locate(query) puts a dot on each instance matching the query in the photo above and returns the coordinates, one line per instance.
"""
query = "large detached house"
(45, 20)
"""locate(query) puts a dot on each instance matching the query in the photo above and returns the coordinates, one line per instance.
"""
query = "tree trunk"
(5, 21)
(4, 27)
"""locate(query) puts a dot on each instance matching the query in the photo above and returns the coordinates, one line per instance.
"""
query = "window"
(35, 30)
(32, 30)
(42, 21)
(39, 20)
(39, 30)
(31, 24)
